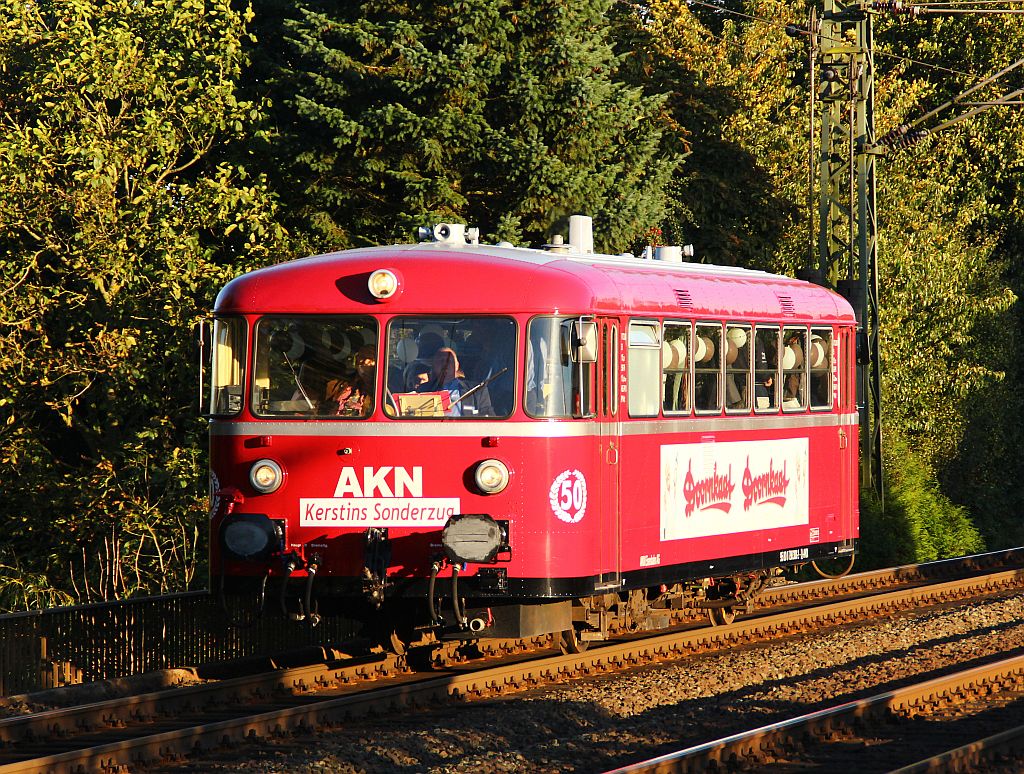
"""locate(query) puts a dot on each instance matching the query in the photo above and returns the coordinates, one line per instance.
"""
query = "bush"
(918, 523)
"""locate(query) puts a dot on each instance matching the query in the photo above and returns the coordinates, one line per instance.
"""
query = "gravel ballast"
(601, 723)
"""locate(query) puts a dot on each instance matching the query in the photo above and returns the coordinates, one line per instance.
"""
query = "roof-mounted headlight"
(266, 476)
(383, 284)
(491, 476)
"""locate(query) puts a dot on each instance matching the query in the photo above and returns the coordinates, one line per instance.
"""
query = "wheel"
(721, 616)
(570, 642)
(834, 568)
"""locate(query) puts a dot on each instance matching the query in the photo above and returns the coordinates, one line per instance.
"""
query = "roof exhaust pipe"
(673, 253)
(581, 234)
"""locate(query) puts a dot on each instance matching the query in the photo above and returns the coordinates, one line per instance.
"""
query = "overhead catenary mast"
(842, 69)
(842, 55)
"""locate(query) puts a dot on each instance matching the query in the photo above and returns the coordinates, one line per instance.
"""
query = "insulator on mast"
(897, 7)
(902, 137)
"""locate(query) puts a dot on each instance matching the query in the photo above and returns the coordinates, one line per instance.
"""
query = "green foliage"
(948, 215)
(142, 160)
(120, 216)
(918, 523)
(27, 590)
(741, 196)
(504, 115)
(941, 297)
(949, 252)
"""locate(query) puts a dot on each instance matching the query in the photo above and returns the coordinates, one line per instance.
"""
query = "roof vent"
(683, 298)
(581, 237)
(787, 304)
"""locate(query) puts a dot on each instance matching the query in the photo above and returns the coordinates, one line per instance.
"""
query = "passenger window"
(794, 366)
(737, 368)
(675, 368)
(643, 372)
(819, 363)
(766, 368)
(707, 368)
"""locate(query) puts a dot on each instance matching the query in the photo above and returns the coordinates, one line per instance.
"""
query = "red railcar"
(496, 441)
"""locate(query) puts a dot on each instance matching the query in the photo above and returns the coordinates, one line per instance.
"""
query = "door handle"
(612, 454)
(842, 439)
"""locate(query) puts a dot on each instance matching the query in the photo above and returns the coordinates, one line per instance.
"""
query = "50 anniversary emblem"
(568, 496)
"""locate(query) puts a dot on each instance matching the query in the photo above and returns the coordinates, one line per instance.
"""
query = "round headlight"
(491, 476)
(266, 476)
(383, 284)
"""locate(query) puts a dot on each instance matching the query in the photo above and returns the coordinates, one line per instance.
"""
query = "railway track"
(842, 738)
(165, 724)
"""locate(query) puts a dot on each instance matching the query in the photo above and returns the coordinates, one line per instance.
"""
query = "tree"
(738, 92)
(950, 248)
(947, 217)
(505, 115)
(121, 213)
(918, 523)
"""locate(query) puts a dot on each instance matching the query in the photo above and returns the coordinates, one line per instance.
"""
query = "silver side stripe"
(724, 424)
(538, 429)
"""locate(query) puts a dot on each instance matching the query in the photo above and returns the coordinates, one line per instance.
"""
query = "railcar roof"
(438, 278)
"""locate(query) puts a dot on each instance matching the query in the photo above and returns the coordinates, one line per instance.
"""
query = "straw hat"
(737, 337)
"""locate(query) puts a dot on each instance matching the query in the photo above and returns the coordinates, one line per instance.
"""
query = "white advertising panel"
(388, 496)
(723, 488)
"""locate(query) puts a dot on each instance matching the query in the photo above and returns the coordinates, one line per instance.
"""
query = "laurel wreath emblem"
(553, 497)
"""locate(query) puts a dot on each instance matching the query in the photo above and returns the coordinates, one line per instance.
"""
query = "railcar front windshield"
(320, 367)
(450, 366)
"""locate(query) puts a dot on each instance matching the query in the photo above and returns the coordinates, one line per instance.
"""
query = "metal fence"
(66, 645)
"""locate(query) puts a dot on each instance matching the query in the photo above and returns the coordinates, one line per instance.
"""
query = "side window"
(556, 385)
(737, 367)
(766, 368)
(227, 368)
(794, 366)
(849, 397)
(643, 369)
(675, 368)
(819, 364)
(707, 368)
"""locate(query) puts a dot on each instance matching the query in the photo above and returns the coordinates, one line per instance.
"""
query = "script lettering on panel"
(721, 488)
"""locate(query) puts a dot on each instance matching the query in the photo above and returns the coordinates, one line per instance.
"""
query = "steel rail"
(750, 746)
(467, 682)
(69, 720)
(874, 580)
(972, 756)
